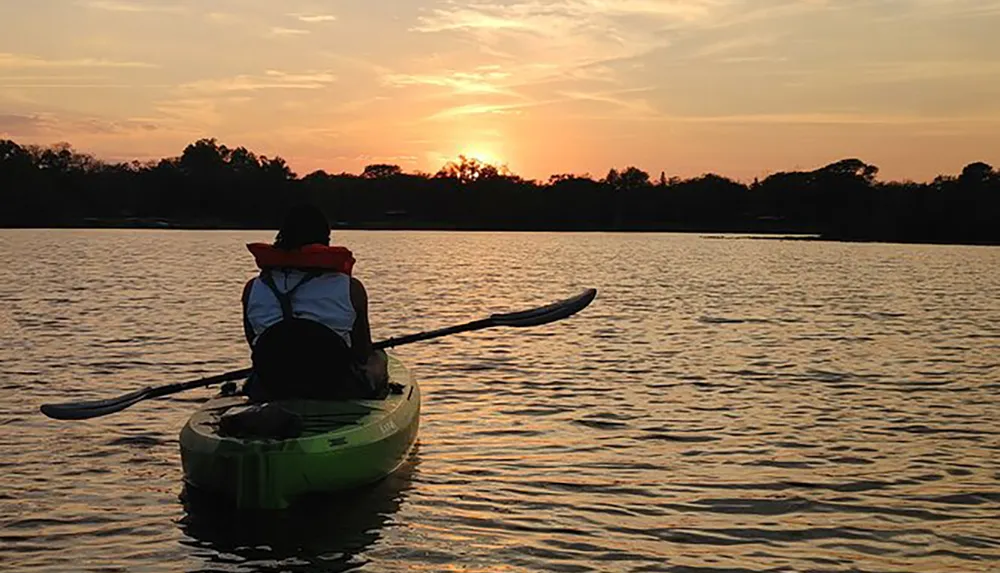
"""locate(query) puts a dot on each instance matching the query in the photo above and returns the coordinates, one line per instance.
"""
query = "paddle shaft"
(382, 344)
(533, 317)
(474, 325)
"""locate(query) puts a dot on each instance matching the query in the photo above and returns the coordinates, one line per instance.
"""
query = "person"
(305, 317)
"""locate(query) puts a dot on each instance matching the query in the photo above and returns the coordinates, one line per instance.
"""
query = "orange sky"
(737, 87)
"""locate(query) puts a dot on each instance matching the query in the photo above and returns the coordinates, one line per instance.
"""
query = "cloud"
(370, 158)
(553, 17)
(907, 71)
(66, 85)
(559, 17)
(9, 60)
(635, 107)
(223, 18)
(17, 124)
(476, 109)
(39, 124)
(543, 41)
(834, 119)
(313, 18)
(482, 80)
(192, 113)
(57, 81)
(281, 32)
(135, 7)
(271, 79)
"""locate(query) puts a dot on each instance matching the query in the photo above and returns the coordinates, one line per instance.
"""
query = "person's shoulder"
(246, 290)
(357, 285)
(358, 292)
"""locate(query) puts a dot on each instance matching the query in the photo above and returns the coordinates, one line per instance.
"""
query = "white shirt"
(325, 299)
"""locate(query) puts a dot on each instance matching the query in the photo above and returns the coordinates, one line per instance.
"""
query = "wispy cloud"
(476, 109)
(282, 32)
(565, 37)
(12, 124)
(193, 112)
(223, 18)
(905, 71)
(272, 79)
(9, 60)
(734, 46)
(123, 6)
(835, 119)
(482, 80)
(313, 18)
(549, 17)
(49, 124)
(618, 99)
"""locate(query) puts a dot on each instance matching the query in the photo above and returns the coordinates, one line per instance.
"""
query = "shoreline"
(706, 232)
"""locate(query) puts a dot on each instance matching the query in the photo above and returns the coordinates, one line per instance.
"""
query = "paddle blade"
(95, 408)
(548, 313)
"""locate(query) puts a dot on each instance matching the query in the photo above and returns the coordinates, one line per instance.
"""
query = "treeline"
(211, 185)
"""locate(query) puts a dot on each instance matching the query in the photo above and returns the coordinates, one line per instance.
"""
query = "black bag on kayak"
(301, 358)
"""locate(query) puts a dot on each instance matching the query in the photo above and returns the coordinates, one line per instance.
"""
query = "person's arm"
(247, 329)
(361, 336)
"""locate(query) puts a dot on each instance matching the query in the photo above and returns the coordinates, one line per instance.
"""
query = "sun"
(482, 155)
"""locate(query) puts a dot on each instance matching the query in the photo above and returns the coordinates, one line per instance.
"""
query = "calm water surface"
(725, 404)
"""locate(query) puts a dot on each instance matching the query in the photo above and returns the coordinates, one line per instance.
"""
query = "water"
(725, 404)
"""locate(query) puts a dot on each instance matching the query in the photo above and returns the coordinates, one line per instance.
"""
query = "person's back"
(306, 318)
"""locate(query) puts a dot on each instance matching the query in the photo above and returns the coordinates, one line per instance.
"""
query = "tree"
(629, 179)
(14, 159)
(470, 169)
(975, 174)
(204, 156)
(276, 168)
(215, 185)
(565, 177)
(381, 171)
(850, 168)
(243, 161)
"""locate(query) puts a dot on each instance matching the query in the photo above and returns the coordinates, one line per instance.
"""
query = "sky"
(742, 88)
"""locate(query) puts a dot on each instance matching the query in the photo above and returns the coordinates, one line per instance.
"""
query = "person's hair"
(303, 225)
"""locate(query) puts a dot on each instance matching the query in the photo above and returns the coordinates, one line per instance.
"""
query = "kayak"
(336, 446)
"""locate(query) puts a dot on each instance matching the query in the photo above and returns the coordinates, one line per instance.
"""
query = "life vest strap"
(285, 298)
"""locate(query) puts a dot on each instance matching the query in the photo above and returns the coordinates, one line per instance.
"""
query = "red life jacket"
(308, 257)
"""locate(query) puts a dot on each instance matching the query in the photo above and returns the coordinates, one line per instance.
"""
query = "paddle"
(534, 317)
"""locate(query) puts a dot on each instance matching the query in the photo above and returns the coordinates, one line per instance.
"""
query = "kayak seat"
(260, 421)
(301, 358)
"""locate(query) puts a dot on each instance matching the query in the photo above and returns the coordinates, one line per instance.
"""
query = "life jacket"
(308, 257)
(312, 283)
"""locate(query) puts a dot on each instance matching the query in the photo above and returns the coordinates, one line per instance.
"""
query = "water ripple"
(729, 406)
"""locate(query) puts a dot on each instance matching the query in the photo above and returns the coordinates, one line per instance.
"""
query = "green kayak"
(339, 445)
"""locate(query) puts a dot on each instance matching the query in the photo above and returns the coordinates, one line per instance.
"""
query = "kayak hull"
(344, 445)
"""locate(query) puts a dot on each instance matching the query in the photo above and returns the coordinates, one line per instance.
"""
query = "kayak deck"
(342, 445)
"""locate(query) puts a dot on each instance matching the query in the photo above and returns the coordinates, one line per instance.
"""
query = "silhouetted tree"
(381, 171)
(469, 169)
(630, 179)
(850, 168)
(212, 185)
(978, 173)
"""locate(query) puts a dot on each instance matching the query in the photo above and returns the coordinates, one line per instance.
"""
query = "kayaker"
(306, 318)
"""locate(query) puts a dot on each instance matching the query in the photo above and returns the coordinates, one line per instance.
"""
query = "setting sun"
(482, 154)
